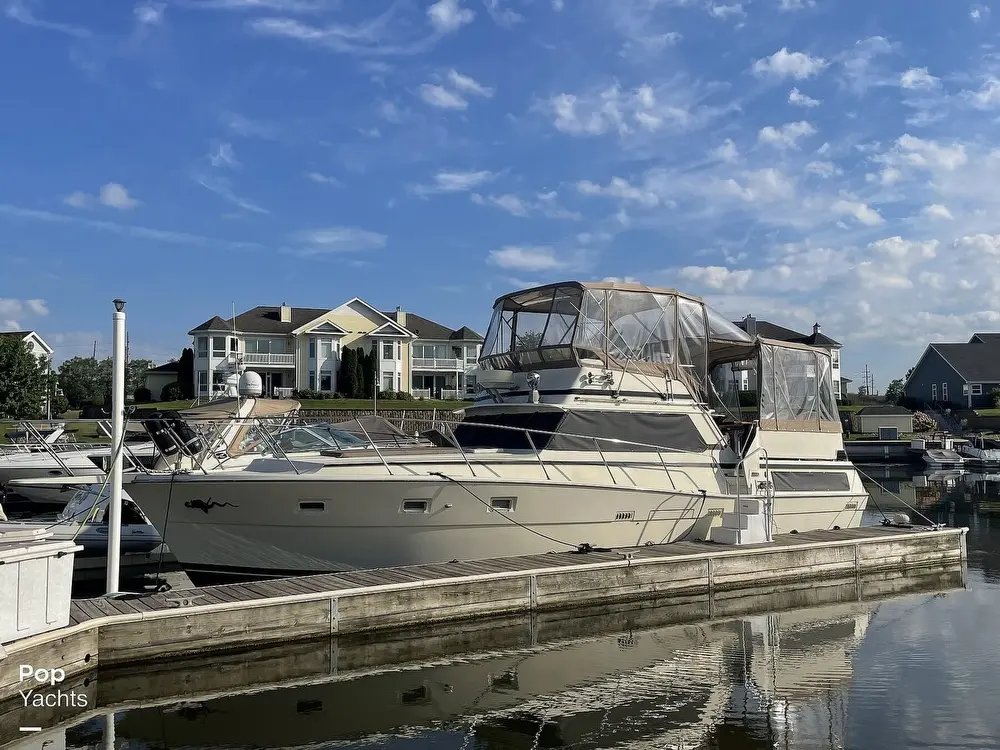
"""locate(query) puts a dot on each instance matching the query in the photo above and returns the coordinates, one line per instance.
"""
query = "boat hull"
(259, 528)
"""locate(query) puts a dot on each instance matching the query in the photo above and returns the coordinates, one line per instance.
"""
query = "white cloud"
(785, 64)
(469, 85)
(937, 211)
(116, 196)
(516, 206)
(621, 189)
(789, 5)
(918, 152)
(717, 277)
(500, 15)
(323, 179)
(558, 5)
(898, 248)
(439, 96)
(987, 97)
(11, 310)
(725, 11)
(455, 182)
(787, 136)
(860, 211)
(149, 14)
(979, 13)
(823, 169)
(526, 258)
(223, 156)
(799, 99)
(335, 240)
(111, 194)
(641, 111)
(727, 152)
(37, 307)
(448, 15)
(918, 78)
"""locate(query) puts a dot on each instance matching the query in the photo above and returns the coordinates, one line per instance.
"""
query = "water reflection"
(887, 662)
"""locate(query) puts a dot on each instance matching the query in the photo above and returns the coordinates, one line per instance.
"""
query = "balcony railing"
(287, 360)
(424, 363)
(446, 394)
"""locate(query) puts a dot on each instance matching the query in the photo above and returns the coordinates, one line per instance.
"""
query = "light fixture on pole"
(117, 433)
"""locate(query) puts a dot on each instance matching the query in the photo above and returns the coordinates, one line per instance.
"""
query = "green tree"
(894, 393)
(185, 372)
(23, 380)
(135, 374)
(360, 362)
(85, 379)
(347, 377)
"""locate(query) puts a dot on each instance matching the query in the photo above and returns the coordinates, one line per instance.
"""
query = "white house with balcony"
(299, 347)
(768, 330)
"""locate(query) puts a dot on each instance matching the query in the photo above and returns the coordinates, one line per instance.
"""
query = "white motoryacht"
(607, 416)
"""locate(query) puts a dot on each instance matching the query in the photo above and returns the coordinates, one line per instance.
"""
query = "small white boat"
(84, 520)
(981, 451)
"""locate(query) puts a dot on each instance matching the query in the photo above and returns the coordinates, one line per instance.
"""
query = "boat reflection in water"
(544, 681)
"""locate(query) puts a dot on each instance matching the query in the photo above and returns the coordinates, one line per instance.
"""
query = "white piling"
(117, 431)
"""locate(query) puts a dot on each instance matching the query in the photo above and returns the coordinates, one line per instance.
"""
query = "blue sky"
(802, 160)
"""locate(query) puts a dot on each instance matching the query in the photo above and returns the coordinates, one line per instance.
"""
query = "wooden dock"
(191, 622)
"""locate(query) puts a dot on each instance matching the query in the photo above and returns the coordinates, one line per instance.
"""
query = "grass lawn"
(852, 408)
(988, 412)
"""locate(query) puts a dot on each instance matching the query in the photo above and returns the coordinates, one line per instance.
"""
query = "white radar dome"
(250, 384)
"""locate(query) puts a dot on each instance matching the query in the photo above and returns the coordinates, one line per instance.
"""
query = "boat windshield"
(301, 439)
(657, 332)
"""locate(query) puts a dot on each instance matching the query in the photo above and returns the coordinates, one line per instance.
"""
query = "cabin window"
(312, 506)
(504, 504)
(414, 506)
(977, 389)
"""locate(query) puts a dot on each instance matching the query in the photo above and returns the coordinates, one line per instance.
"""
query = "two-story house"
(299, 348)
(768, 330)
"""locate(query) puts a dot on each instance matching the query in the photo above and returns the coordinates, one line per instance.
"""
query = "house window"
(325, 380)
(312, 380)
(933, 391)
(324, 349)
(944, 391)
(399, 350)
(203, 346)
(965, 389)
(836, 387)
(218, 346)
(387, 350)
(233, 345)
(312, 349)
(203, 380)
(388, 378)
(977, 389)
(835, 357)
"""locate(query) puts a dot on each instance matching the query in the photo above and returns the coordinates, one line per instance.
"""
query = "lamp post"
(117, 431)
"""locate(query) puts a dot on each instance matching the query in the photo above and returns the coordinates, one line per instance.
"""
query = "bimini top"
(658, 332)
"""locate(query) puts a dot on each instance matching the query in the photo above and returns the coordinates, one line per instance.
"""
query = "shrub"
(172, 392)
(386, 395)
(59, 404)
(143, 395)
(403, 396)
(308, 394)
(995, 396)
(338, 396)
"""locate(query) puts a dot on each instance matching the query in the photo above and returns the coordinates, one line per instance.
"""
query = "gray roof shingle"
(977, 362)
(265, 319)
(768, 330)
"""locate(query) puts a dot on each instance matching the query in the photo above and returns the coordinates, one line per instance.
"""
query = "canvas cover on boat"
(581, 430)
(795, 387)
(657, 333)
